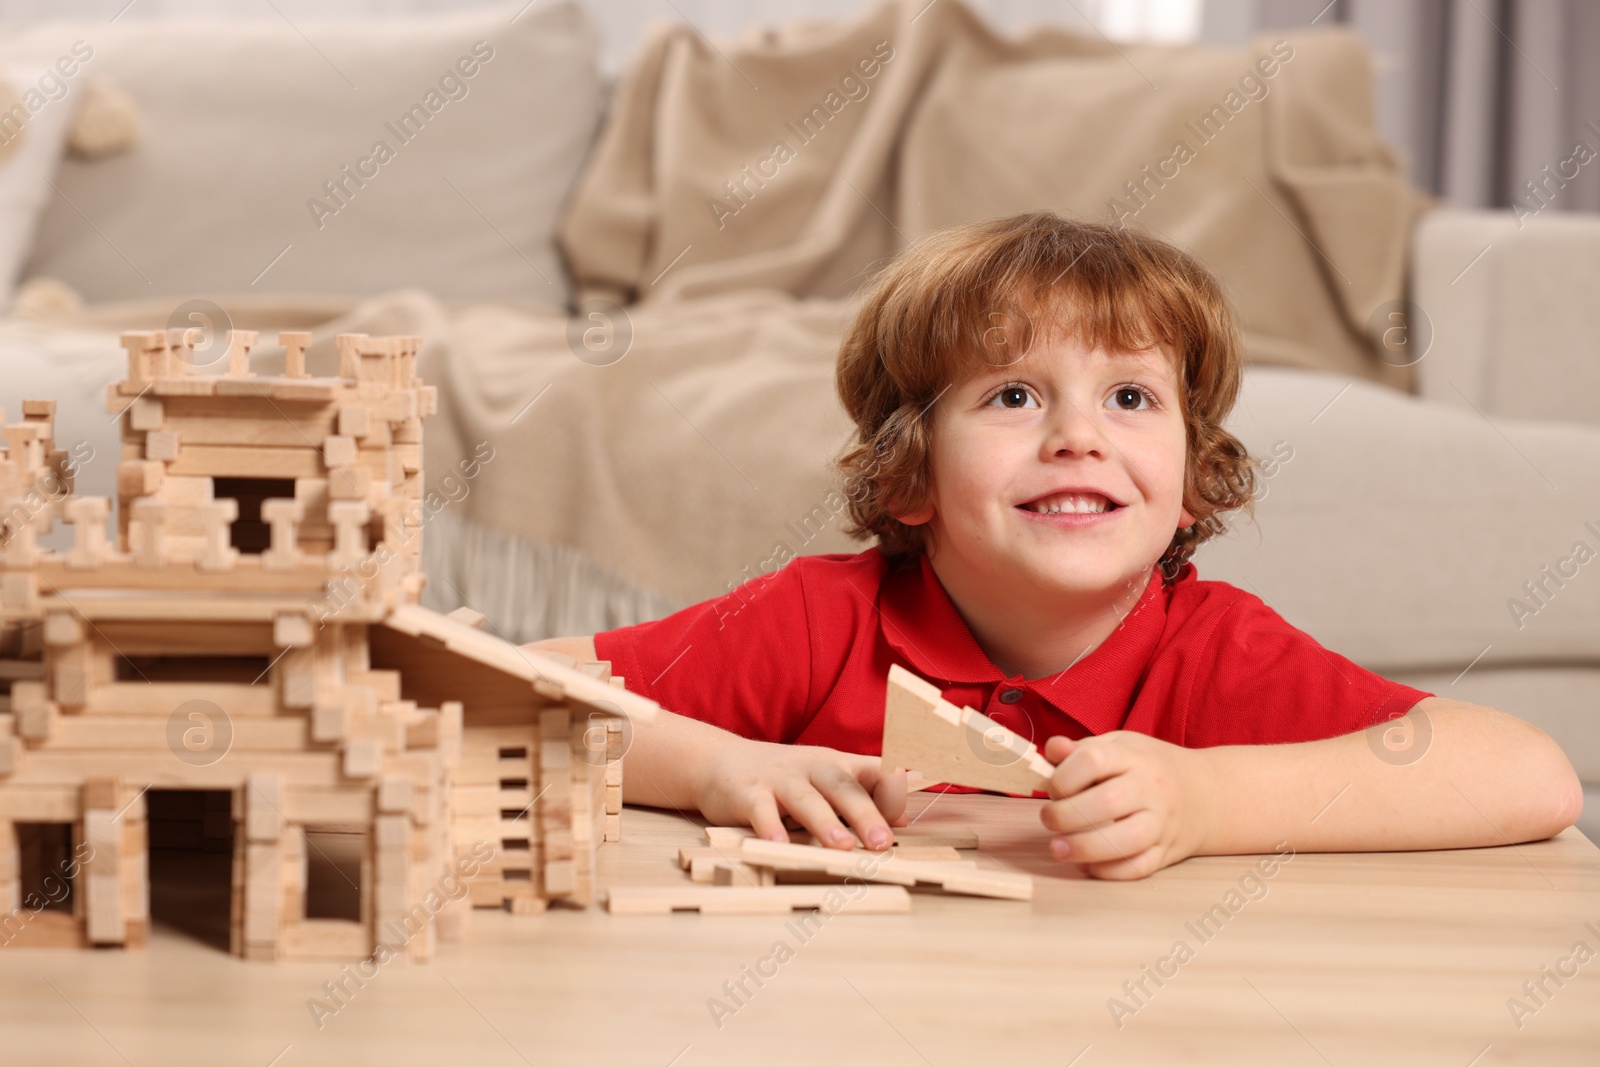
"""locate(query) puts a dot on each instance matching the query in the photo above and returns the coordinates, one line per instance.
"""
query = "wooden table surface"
(1403, 958)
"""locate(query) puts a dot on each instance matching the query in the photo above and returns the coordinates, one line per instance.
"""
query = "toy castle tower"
(245, 666)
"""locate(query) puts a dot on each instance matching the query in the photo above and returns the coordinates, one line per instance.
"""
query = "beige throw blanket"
(740, 193)
(797, 159)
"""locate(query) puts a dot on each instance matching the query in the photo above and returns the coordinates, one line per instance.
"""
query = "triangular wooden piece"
(925, 733)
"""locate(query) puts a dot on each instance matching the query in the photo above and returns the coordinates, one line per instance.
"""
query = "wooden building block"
(146, 413)
(330, 722)
(147, 532)
(19, 592)
(291, 631)
(218, 517)
(263, 806)
(338, 451)
(362, 758)
(354, 420)
(349, 519)
(295, 343)
(936, 853)
(923, 732)
(88, 518)
(467, 617)
(730, 837)
(613, 827)
(451, 714)
(139, 477)
(101, 874)
(240, 342)
(393, 834)
(559, 878)
(100, 793)
(296, 671)
(34, 711)
(875, 867)
(744, 900)
(162, 445)
(724, 873)
(62, 628)
(394, 794)
(263, 897)
(283, 516)
(349, 483)
(555, 753)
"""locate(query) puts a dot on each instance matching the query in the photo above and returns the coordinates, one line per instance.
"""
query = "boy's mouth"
(1071, 502)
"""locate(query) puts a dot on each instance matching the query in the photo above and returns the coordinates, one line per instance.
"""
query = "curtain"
(1493, 103)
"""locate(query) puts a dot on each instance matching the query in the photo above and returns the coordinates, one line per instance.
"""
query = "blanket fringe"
(529, 590)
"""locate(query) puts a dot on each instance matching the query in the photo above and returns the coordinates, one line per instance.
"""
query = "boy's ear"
(917, 517)
(1185, 519)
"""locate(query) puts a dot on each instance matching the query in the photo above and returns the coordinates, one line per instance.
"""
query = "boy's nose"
(1073, 430)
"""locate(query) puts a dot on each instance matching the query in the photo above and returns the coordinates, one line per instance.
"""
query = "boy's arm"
(675, 761)
(1448, 774)
(1467, 776)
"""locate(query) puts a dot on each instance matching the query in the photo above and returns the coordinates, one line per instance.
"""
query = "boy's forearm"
(1482, 778)
(666, 760)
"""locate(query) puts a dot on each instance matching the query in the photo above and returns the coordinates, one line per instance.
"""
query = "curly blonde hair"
(975, 292)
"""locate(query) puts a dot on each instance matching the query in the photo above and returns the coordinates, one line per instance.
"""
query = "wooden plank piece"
(728, 837)
(923, 732)
(876, 867)
(747, 900)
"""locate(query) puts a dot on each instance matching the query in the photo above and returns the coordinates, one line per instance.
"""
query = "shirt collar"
(921, 623)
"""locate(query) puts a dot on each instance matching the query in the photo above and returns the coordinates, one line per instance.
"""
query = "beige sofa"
(1427, 537)
(1398, 529)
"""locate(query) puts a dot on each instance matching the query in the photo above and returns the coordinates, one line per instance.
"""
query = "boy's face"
(1011, 441)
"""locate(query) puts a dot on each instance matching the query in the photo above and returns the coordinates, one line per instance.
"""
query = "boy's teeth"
(1072, 504)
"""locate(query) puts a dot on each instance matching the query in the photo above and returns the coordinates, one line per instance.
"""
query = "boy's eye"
(1012, 396)
(1130, 397)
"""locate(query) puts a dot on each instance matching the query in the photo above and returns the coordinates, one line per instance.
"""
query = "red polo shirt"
(802, 655)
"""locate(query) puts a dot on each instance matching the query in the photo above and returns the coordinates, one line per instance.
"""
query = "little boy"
(1039, 407)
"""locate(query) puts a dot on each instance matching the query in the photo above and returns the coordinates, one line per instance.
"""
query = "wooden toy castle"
(245, 666)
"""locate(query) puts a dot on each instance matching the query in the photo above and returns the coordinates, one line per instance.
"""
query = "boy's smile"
(1057, 484)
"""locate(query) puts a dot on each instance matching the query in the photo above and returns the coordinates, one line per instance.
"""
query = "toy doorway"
(191, 862)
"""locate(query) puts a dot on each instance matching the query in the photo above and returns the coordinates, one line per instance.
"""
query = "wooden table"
(1403, 958)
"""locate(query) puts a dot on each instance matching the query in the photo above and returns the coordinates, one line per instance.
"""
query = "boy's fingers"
(1120, 840)
(1143, 865)
(1101, 803)
(1092, 760)
(850, 799)
(889, 794)
(765, 820)
(816, 814)
(1058, 748)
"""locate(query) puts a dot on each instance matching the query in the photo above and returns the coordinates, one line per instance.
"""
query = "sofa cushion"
(1508, 301)
(484, 123)
(36, 109)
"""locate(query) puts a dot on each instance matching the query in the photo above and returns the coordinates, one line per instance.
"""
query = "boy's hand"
(755, 783)
(1129, 804)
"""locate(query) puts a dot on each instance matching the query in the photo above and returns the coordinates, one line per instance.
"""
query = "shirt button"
(1010, 696)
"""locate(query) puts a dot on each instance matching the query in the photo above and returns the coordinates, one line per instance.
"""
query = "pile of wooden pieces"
(737, 873)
